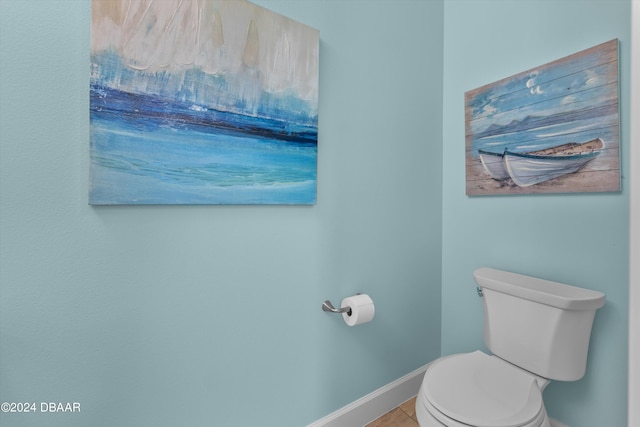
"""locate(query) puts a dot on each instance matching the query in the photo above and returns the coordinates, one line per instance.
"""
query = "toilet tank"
(538, 325)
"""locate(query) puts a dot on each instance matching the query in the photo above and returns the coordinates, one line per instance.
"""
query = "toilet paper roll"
(362, 309)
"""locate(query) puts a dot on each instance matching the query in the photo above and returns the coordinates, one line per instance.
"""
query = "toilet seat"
(475, 389)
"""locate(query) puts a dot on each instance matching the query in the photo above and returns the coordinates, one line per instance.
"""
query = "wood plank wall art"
(551, 129)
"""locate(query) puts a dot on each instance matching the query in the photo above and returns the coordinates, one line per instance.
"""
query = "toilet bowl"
(476, 389)
(536, 331)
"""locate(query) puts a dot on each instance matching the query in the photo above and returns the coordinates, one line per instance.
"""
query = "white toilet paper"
(362, 309)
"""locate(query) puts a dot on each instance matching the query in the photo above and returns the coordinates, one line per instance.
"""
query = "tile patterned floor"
(402, 416)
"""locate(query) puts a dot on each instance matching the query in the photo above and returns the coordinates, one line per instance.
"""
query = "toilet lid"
(482, 390)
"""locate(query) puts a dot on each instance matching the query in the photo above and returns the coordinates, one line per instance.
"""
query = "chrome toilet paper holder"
(355, 309)
(327, 306)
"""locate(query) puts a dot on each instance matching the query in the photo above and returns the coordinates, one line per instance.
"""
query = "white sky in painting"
(220, 37)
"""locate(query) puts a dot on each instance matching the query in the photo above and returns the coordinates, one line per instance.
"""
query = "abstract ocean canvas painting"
(551, 129)
(201, 102)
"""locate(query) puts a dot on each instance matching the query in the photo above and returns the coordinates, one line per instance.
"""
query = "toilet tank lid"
(539, 290)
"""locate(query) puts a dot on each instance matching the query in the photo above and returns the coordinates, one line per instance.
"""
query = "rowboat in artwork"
(534, 167)
(494, 164)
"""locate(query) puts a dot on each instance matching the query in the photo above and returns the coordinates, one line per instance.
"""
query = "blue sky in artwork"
(553, 103)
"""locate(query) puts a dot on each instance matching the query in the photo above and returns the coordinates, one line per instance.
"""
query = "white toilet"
(537, 331)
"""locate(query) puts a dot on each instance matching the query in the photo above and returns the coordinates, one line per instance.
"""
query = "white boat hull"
(527, 169)
(530, 170)
(494, 165)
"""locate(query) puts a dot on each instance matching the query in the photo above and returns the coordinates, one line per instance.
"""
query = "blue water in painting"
(146, 150)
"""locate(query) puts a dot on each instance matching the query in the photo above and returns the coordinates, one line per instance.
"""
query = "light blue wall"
(210, 315)
(153, 316)
(577, 239)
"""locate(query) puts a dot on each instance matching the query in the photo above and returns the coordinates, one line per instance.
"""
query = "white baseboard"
(376, 403)
(554, 423)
